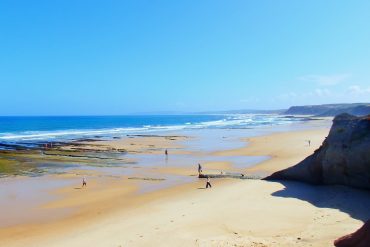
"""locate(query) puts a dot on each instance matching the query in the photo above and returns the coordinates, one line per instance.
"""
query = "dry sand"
(242, 213)
(232, 213)
(285, 149)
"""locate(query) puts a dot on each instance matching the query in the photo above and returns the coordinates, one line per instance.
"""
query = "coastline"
(115, 204)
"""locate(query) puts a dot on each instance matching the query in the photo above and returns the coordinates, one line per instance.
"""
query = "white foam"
(232, 120)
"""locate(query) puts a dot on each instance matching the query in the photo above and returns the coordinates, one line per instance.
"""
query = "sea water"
(60, 128)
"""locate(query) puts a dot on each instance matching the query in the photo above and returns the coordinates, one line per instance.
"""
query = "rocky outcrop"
(360, 238)
(229, 175)
(343, 158)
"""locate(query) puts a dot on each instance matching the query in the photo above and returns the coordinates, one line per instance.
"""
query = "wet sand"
(123, 209)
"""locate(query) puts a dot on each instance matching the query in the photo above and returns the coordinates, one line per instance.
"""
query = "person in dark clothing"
(199, 169)
(208, 183)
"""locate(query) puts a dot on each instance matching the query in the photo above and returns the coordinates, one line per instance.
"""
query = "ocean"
(15, 130)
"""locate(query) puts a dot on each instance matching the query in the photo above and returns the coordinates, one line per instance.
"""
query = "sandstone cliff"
(360, 238)
(343, 158)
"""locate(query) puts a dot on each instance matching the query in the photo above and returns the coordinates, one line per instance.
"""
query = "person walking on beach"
(199, 169)
(166, 152)
(84, 182)
(208, 183)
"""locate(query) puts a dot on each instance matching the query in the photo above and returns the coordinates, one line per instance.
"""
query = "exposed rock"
(343, 158)
(360, 238)
(228, 175)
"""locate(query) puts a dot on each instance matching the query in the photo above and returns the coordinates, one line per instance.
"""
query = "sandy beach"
(123, 210)
(184, 123)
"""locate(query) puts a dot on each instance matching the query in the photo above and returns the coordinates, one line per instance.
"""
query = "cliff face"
(361, 110)
(343, 158)
(360, 238)
(357, 109)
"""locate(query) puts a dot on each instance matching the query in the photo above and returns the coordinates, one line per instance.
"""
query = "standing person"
(166, 152)
(208, 183)
(309, 143)
(199, 169)
(84, 182)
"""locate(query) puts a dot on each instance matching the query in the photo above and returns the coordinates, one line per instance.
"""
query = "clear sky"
(69, 57)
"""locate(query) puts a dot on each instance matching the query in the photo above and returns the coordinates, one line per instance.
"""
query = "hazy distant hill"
(357, 109)
(247, 111)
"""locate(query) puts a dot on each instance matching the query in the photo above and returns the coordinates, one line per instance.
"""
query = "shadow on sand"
(354, 202)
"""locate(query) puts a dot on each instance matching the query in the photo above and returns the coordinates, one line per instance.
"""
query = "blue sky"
(119, 57)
